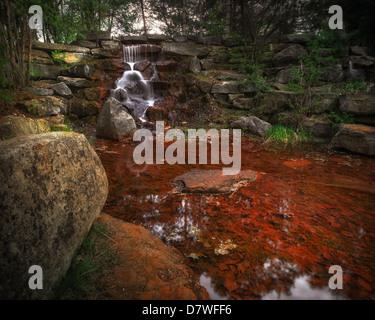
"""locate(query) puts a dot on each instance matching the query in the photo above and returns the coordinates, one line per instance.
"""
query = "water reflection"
(273, 239)
(302, 290)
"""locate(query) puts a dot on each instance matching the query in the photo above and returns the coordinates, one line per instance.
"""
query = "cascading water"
(132, 89)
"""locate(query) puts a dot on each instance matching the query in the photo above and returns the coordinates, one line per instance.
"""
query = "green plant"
(337, 118)
(95, 257)
(59, 57)
(288, 135)
(355, 85)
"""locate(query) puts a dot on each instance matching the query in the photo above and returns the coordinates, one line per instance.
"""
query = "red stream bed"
(273, 239)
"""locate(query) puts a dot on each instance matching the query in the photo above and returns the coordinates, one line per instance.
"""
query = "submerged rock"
(212, 181)
(114, 122)
(53, 187)
(357, 138)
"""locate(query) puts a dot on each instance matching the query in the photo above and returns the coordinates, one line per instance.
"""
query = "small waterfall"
(352, 73)
(132, 89)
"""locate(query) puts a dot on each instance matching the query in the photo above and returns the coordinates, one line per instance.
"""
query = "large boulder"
(252, 125)
(15, 126)
(53, 186)
(289, 55)
(357, 138)
(362, 104)
(114, 122)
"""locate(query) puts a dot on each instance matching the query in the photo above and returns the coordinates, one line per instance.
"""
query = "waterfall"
(132, 89)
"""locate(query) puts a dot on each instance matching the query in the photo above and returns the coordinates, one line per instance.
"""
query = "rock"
(295, 38)
(147, 268)
(142, 65)
(213, 41)
(83, 108)
(212, 181)
(286, 75)
(252, 125)
(361, 62)
(318, 128)
(243, 103)
(85, 43)
(289, 55)
(44, 71)
(207, 64)
(357, 138)
(166, 66)
(45, 106)
(110, 44)
(185, 49)
(247, 87)
(15, 126)
(61, 89)
(195, 65)
(358, 51)
(180, 38)
(324, 103)
(42, 57)
(276, 101)
(75, 82)
(72, 57)
(133, 39)
(203, 83)
(53, 187)
(80, 71)
(156, 113)
(114, 122)
(234, 96)
(225, 87)
(39, 91)
(93, 94)
(288, 119)
(49, 47)
(362, 104)
(157, 38)
(105, 53)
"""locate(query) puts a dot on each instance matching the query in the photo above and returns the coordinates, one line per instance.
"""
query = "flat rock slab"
(212, 181)
(148, 269)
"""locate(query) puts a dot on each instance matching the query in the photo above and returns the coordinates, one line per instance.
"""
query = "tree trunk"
(228, 8)
(184, 19)
(143, 17)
